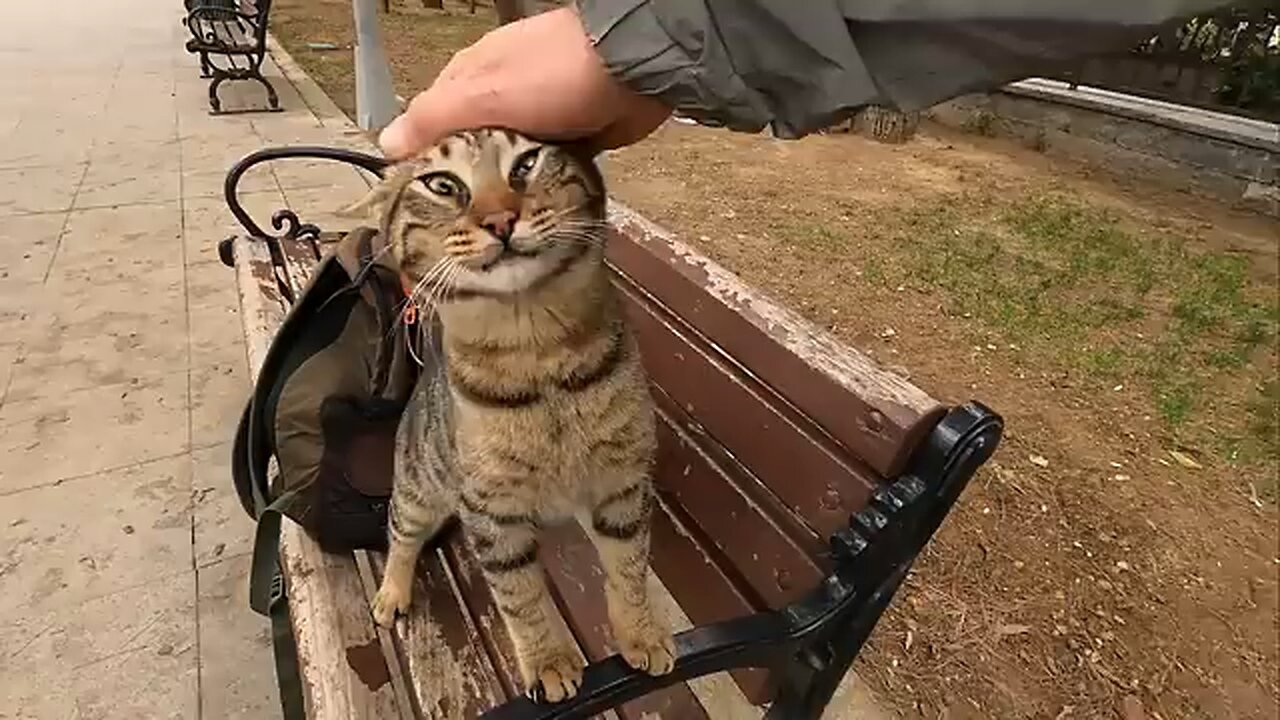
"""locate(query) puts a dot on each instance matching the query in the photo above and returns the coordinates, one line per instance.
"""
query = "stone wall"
(1233, 159)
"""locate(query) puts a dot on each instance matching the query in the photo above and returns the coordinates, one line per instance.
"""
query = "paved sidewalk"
(123, 550)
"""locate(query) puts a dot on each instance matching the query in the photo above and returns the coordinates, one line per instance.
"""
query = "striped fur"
(539, 407)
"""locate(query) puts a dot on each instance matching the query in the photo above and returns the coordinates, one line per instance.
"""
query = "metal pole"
(376, 103)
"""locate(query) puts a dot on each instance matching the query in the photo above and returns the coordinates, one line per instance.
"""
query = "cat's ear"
(370, 206)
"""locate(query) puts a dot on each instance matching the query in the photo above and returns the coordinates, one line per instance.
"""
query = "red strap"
(410, 315)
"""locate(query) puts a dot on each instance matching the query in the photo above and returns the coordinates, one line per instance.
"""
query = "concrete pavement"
(123, 550)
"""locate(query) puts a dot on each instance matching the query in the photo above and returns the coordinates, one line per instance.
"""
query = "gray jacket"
(799, 65)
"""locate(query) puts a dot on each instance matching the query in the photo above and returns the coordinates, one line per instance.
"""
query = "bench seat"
(796, 481)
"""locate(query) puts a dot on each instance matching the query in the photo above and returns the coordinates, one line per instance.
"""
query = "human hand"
(539, 76)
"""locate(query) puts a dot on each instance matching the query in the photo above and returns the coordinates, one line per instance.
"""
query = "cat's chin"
(509, 276)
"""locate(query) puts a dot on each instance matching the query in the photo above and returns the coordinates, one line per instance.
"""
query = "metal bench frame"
(810, 644)
(234, 61)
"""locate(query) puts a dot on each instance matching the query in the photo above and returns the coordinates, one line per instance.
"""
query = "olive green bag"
(325, 407)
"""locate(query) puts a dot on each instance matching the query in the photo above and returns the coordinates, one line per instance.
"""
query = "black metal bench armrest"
(811, 642)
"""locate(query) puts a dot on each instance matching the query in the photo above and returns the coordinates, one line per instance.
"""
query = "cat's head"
(490, 211)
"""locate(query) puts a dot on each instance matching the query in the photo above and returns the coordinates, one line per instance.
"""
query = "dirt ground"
(1119, 557)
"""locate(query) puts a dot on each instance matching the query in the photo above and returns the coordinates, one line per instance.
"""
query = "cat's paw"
(553, 677)
(653, 653)
(392, 598)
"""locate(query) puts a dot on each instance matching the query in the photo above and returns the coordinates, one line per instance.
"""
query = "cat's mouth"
(506, 254)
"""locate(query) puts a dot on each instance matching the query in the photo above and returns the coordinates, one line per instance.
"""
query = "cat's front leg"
(620, 531)
(418, 511)
(506, 545)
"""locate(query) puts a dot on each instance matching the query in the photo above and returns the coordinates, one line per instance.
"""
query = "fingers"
(561, 92)
(445, 107)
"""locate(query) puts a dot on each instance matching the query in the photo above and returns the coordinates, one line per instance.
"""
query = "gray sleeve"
(799, 65)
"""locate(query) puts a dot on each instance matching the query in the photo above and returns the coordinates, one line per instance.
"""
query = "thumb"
(432, 114)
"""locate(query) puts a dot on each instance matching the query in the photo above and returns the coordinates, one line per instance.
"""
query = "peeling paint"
(368, 664)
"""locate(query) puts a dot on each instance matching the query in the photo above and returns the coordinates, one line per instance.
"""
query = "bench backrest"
(257, 12)
(772, 433)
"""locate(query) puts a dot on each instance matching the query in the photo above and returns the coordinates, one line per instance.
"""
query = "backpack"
(325, 407)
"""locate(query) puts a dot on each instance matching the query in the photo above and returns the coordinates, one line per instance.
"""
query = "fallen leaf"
(1185, 460)
(1006, 630)
(1039, 461)
(911, 638)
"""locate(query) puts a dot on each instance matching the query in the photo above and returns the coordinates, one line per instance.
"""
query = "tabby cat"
(538, 407)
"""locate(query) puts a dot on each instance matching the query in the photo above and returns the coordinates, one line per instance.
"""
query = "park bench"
(230, 36)
(797, 483)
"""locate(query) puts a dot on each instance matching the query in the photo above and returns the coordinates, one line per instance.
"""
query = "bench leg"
(252, 72)
(205, 72)
(273, 100)
(215, 105)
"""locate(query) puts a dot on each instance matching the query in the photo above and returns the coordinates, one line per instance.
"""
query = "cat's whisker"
(412, 296)
(441, 284)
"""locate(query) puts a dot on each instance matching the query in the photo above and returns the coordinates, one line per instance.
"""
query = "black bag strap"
(388, 299)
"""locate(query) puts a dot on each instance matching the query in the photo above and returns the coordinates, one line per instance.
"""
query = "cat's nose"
(499, 224)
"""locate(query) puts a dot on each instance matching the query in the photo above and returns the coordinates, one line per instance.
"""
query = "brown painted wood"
(811, 476)
(878, 416)
(729, 525)
(743, 479)
(703, 590)
(492, 628)
(449, 669)
(578, 582)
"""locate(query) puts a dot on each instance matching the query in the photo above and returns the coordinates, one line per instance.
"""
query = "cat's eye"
(523, 165)
(442, 184)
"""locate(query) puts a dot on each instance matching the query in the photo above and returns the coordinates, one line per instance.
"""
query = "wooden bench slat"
(450, 669)
(493, 630)
(701, 589)
(262, 308)
(818, 482)
(578, 582)
(878, 416)
(743, 479)
(730, 525)
(344, 671)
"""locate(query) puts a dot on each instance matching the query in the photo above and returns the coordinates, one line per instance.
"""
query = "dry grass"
(1111, 322)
